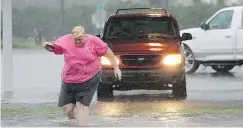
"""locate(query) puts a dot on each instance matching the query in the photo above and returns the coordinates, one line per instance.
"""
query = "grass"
(125, 112)
(213, 111)
(30, 111)
(19, 43)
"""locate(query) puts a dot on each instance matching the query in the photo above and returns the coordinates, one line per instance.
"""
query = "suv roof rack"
(141, 10)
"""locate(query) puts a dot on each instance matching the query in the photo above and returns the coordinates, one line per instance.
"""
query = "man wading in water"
(81, 72)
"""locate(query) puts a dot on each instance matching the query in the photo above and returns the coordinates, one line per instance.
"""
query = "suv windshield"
(140, 28)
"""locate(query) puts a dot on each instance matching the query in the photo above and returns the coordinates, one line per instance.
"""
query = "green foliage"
(21, 43)
(25, 21)
(79, 15)
(189, 17)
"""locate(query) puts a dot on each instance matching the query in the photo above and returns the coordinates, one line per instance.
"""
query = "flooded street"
(214, 99)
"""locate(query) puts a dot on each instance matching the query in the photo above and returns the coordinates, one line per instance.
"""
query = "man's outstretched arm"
(52, 47)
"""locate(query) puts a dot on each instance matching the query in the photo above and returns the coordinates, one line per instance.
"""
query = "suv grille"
(140, 60)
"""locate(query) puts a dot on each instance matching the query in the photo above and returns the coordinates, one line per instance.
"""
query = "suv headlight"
(105, 61)
(173, 59)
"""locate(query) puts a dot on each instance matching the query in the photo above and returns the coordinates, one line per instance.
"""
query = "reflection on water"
(154, 110)
(222, 74)
(140, 107)
(214, 74)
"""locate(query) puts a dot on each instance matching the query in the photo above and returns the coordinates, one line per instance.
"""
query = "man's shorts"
(79, 92)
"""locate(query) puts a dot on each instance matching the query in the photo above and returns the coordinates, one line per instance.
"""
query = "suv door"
(217, 40)
(239, 46)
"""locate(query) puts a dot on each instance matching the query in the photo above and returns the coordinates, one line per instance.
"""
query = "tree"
(197, 1)
(25, 21)
(221, 3)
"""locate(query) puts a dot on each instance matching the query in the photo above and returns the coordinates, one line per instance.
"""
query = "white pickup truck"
(217, 43)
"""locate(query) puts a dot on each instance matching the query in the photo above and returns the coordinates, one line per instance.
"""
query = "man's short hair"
(78, 31)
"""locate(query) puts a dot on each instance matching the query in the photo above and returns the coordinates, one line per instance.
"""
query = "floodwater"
(214, 99)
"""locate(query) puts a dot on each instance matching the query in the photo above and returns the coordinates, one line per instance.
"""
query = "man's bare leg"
(69, 110)
(82, 114)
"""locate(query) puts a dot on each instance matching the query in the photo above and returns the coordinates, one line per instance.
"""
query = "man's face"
(79, 41)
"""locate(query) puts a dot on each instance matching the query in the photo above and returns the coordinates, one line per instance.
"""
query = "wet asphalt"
(214, 99)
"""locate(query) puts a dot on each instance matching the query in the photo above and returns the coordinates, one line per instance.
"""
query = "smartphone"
(49, 46)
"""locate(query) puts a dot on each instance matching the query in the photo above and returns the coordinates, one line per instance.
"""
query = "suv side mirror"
(98, 36)
(186, 36)
(204, 26)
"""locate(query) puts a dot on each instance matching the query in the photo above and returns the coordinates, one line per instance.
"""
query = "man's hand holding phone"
(49, 46)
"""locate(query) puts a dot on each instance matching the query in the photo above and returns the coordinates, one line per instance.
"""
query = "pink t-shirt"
(81, 63)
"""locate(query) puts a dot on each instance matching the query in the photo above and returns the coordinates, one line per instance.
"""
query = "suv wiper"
(146, 36)
(158, 35)
(113, 37)
(119, 37)
(141, 36)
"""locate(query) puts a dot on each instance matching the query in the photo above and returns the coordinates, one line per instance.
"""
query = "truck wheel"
(191, 65)
(104, 91)
(223, 68)
(179, 89)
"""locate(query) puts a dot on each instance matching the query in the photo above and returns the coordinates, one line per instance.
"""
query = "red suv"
(149, 51)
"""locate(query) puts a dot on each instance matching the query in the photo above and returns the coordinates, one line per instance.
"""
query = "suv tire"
(179, 89)
(104, 91)
(190, 61)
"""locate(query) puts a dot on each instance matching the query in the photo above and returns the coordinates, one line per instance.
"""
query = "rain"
(31, 76)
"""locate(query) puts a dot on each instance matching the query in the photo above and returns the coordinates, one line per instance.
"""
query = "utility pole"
(165, 3)
(62, 18)
(7, 60)
(159, 3)
(1, 42)
(1, 31)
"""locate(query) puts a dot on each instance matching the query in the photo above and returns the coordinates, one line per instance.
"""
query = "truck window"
(222, 20)
(132, 27)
